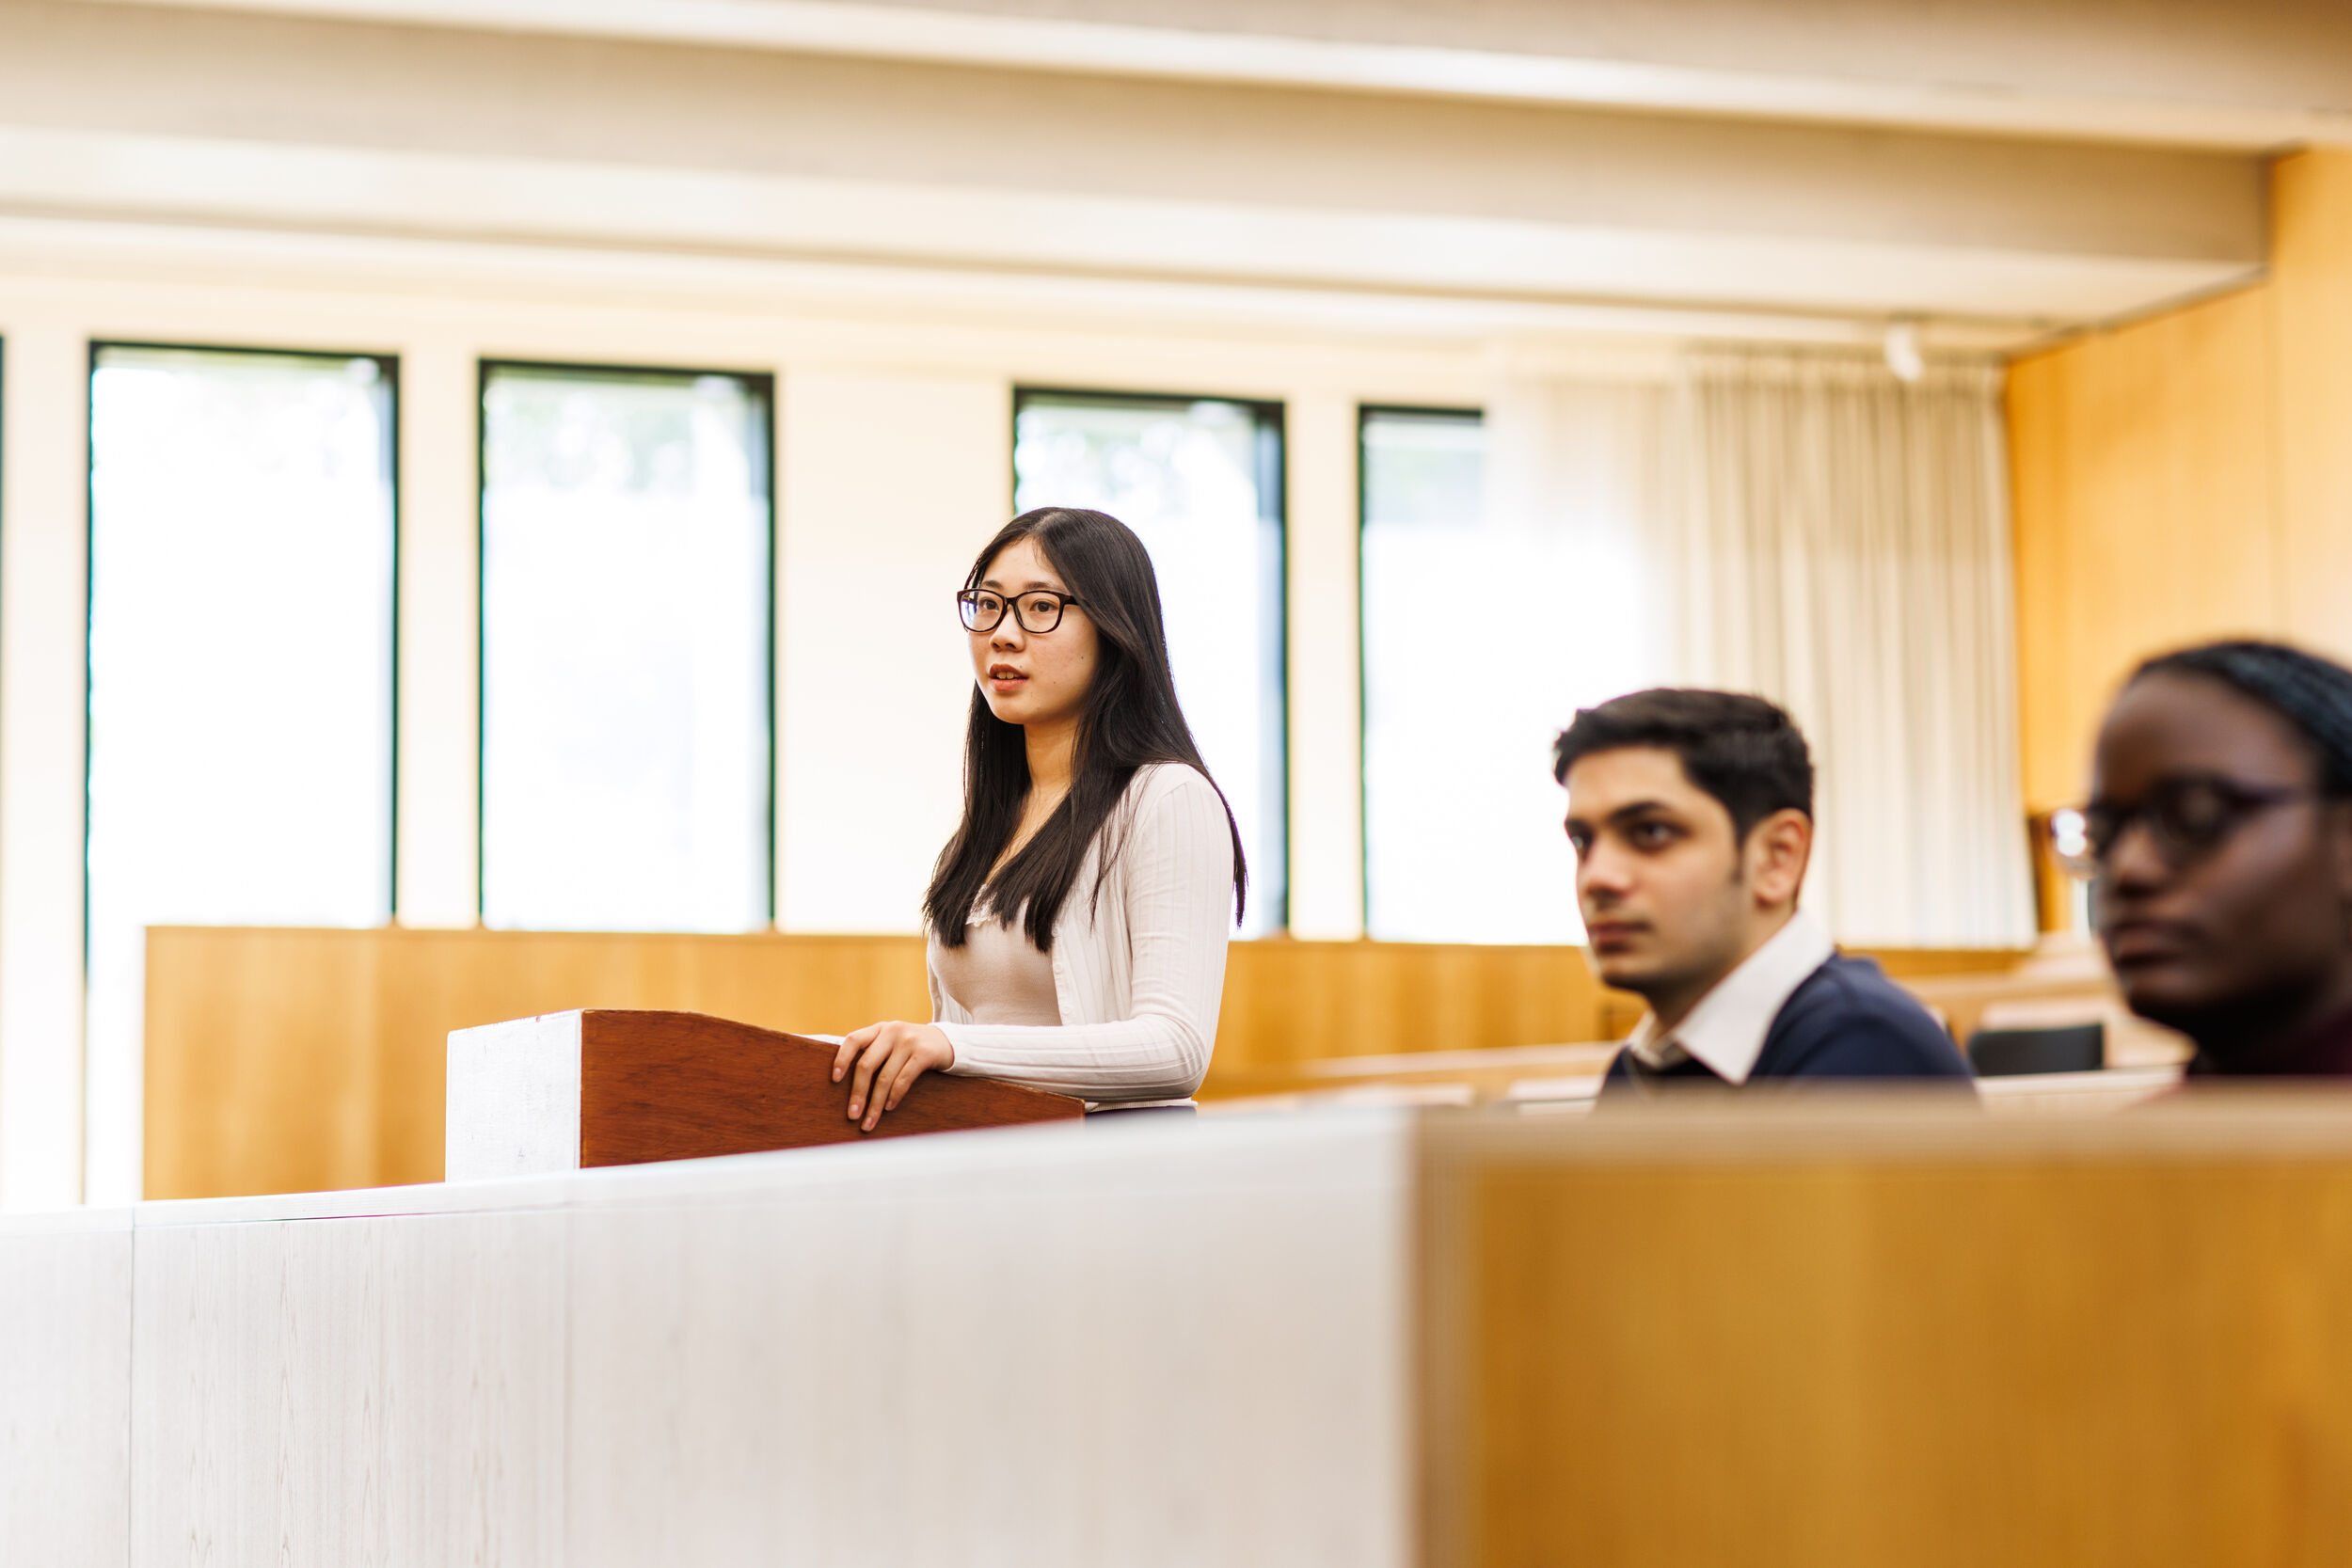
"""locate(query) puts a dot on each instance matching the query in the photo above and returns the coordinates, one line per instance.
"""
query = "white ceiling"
(1435, 163)
(2186, 73)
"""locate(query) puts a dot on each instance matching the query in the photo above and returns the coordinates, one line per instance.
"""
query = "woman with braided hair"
(2218, 839)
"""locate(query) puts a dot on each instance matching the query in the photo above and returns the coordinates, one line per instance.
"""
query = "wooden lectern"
(563, 1091)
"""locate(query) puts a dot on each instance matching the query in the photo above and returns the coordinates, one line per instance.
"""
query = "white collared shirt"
(1727, 1029)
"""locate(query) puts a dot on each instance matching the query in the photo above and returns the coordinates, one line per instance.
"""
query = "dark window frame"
(1271, 454)
(387, 367)
(1366, 414)
(763, 384)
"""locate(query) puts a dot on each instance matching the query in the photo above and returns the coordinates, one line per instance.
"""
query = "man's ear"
(1779, 848)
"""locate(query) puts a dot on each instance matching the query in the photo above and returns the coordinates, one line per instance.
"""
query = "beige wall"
(2187, 477)
(192, 114)
(893, 435)
(44, 486)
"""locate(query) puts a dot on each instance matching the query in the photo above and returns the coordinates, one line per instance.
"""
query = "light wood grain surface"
(1133, 1344)
(362, 1390)
(65, 1389)
(514, 1097)
(1127, 1342)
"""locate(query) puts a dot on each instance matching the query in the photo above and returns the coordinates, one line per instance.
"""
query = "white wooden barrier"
(1151, 1342)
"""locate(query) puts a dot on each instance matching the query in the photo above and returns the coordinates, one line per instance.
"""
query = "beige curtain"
(1581, 476)
(1843, 549)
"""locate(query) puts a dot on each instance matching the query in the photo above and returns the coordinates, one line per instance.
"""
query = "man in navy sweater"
(1691, 816)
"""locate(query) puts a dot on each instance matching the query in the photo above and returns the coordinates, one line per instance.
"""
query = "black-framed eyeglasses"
(1038, 611)
(2187, 816)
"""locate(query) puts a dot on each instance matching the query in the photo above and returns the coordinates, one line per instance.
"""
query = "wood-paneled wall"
(2311, 329)
(2187, 477)
(291, 1060)
(285, 1060)
(2135, 455)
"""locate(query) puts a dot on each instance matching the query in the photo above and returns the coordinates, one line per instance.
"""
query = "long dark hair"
(1129, 719)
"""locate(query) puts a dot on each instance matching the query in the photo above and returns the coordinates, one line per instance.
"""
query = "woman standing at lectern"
(1078, 917)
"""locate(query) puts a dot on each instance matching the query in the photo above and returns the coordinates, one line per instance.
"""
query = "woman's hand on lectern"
(889, 1057)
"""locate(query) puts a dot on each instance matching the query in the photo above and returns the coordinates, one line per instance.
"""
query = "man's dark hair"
(1741, 749)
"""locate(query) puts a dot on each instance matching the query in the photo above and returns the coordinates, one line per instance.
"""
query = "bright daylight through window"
(1461, 817)
(1201, 483)
(626, 593)
(241, 672)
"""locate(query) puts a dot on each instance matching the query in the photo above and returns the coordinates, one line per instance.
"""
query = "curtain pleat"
(1850, 540)
(1808, 528)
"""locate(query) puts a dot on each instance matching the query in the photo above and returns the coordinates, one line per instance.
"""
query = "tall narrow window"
(240, 670)
(1200, 481)
(1462, 833)
(626, 593)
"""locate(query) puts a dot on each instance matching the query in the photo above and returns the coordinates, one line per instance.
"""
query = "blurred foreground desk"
(1845, 1335)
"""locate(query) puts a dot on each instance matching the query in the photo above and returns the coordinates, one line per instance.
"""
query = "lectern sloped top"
(601, 1087)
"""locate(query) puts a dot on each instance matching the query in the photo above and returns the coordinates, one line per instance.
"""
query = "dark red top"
(2325, 1051)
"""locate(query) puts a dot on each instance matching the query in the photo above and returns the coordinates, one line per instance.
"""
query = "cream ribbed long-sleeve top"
(1138, 973)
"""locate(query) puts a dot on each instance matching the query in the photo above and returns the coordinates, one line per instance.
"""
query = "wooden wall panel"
(1304, 1001)
(263, 1065)
(293, 1060)
(2311, 277)
(284, 1060)
(2144, 486)
(2187, 477)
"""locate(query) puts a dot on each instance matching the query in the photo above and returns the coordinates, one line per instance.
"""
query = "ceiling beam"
(2228, 114)
(514, 200)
